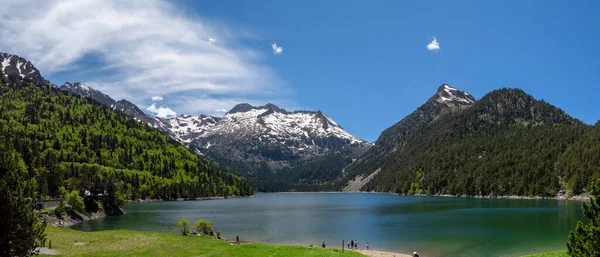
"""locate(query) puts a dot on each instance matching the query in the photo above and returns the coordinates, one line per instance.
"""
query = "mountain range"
(255, 141)
(505, 143)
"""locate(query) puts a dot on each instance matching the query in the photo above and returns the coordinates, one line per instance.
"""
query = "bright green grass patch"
(70, 242)
(550, 254)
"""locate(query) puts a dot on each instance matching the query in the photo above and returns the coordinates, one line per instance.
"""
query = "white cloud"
(276, 49)
(221, 110)
(144, 48)
(433, 45)
(162, 111)
(157, 98)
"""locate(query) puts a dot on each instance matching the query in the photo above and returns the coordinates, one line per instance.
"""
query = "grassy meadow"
(70, 242)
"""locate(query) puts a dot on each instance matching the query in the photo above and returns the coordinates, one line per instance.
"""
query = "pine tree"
(585, 239)
(21, 230)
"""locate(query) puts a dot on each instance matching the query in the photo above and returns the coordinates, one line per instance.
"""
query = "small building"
(50, 203)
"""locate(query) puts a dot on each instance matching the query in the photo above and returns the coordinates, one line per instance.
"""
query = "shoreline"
(70, 219)
(582, 197)
(564, 198)
(208, 198)
(73, 218)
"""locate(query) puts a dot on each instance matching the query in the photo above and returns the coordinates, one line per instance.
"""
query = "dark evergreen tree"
(584, 241)
(21, 230)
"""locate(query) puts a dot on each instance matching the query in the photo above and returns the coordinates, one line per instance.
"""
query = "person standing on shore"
(367, 246)
(355, 245)
(323, 245)
(352, 244)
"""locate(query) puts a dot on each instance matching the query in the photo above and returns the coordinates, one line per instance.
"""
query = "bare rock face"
(15, 66)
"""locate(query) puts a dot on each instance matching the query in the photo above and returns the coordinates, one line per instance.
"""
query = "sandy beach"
(373, 253)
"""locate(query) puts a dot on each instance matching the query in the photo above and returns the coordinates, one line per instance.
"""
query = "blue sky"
(363, 63)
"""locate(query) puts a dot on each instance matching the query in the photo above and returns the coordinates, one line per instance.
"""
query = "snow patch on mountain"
(5, 62)
(186, 127)
(449, 95)
(269, 124)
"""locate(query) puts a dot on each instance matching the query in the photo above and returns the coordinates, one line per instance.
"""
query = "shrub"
(61, 210)
(76, 201)
(184, 227)
(203, 226)
(62, 192)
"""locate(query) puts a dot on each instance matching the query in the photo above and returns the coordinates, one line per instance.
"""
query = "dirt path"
(382, 254)
(46, 251)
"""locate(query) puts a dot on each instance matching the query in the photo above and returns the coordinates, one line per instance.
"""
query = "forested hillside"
(80, 144)
(508, 143)
(581, 161)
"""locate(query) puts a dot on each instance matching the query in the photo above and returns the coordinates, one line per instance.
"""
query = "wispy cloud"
(433, 46)
(162, 111)
(276, 49)
(141, 49)
(157, 98)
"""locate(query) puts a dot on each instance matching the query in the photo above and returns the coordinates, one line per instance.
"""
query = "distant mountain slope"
(77, 143)
(123, 106)
(507, 143)
(255, 141)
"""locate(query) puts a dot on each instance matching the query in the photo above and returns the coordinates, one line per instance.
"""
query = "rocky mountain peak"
(15, 66)
(245, 107)
(449, 95)
(83, 90)
(129, 108)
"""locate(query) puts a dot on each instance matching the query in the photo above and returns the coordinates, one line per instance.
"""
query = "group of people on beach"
(353, 244)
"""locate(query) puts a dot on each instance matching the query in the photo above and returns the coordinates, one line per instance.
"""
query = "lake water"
(433, 226)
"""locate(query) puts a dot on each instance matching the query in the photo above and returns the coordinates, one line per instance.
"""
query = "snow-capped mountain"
(269, 124)
(12, 65)
(265, 139)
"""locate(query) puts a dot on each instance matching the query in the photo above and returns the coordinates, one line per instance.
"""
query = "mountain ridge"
(257, 141)
(491, 147)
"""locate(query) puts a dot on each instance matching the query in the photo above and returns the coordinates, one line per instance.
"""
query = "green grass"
(550, 254)
(70, 242)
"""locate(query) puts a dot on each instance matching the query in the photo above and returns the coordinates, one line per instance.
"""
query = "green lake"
(433, 226)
